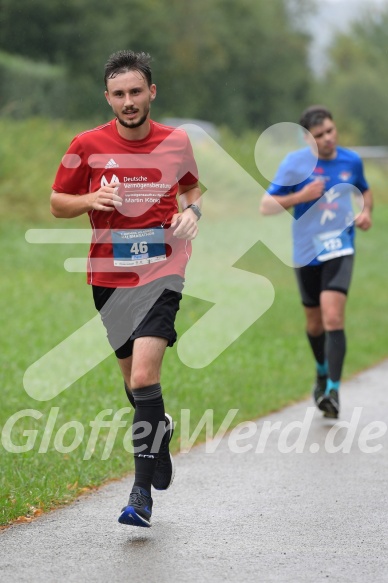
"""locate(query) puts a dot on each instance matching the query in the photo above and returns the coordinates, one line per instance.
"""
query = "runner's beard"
(134, 124)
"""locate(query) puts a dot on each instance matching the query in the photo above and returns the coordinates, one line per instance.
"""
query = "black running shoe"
(319, 388)
(165, 467)
(329, 404)
(139, 509)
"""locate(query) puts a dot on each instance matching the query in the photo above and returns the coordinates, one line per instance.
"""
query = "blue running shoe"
(139, 509)
(165, 467)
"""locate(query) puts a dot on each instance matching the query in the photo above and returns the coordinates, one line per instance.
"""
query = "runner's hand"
(185, 225)
(312, 191)
(106, 198)
(364, 220)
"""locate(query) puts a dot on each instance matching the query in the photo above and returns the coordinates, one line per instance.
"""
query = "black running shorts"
(130, 313)
(334, 275)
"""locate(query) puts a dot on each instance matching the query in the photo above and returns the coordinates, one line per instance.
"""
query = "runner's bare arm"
(364, 219)
(190, 195)
(185, 222)
(68, 206)
(272, 204)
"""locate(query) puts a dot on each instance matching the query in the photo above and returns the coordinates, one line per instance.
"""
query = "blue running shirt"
(323, 228)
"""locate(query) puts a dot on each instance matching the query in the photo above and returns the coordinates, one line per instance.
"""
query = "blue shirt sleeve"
(282, 177)
(293, 172)
(361, 182)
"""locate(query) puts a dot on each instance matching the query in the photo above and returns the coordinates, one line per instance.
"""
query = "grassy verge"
(266, 368)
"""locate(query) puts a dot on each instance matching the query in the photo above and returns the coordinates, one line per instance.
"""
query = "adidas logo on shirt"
(111, 164)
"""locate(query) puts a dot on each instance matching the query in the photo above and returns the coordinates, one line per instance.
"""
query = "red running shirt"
(148, 172)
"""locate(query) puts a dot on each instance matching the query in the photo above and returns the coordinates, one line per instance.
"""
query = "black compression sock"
(148, 418)
(317, 344)
(336, 349)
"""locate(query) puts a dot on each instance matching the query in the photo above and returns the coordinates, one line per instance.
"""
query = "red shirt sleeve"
(73, 175)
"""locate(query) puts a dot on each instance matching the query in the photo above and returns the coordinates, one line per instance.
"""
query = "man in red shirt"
(127, 175)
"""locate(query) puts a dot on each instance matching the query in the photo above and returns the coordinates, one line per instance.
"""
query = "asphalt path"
(307, 502)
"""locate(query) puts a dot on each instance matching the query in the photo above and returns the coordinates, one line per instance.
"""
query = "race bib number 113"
(335, 244)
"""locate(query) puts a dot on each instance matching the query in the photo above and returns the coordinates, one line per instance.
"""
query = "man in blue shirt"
(323, 237)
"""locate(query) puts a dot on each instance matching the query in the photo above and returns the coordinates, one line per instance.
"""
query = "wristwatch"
(196, 210)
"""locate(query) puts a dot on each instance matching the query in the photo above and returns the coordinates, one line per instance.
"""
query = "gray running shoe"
(319, 388)
(329, 404)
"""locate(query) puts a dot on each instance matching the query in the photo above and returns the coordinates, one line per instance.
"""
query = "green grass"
(266, 368)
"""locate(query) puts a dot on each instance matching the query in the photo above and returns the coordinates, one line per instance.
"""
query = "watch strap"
(196, 210)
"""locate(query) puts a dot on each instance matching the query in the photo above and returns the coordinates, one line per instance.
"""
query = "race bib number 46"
(138, 247)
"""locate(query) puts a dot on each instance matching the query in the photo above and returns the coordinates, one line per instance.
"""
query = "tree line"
(241, 64)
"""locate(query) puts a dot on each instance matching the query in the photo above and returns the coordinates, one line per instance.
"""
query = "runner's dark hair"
(314, 116)
(123, 61)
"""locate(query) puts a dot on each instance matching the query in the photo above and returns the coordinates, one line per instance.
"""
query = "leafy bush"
(31, 88)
